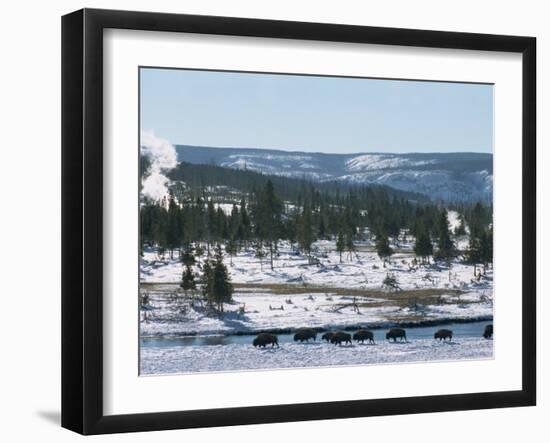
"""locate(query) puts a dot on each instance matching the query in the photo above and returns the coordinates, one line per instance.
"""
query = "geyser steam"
(162, 157)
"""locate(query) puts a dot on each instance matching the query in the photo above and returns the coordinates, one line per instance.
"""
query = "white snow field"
(364, 270)
(327, 295)
(168, 317)
(232, 357)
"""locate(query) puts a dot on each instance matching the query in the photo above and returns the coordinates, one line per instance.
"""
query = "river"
(235, 352)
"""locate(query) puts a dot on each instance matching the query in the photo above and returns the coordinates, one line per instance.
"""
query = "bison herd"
(362, 335)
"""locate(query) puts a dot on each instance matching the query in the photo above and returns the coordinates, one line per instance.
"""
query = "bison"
(396, 333)
(327, 336)
(340, 337)
(263, 339)
(304, 335)
(362, 335)
(443, 334)
(488, 332)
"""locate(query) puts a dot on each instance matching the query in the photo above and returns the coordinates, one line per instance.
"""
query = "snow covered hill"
(450, 177)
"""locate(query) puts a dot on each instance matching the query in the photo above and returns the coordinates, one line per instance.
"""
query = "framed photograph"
(268, 221)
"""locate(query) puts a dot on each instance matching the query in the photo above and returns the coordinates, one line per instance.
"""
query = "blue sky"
(315, 114)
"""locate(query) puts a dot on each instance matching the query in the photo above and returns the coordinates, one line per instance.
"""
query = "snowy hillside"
(451, 177)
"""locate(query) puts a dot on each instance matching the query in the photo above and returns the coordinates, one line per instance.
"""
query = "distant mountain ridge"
(440, 176)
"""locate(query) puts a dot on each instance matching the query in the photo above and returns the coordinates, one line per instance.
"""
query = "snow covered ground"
(232, 357)
(261, 310)
(327, 295)
(364, 270)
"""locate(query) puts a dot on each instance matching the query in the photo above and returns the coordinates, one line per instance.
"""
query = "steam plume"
(162, 156)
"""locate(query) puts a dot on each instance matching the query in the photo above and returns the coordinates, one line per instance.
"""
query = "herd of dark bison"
(338, 338)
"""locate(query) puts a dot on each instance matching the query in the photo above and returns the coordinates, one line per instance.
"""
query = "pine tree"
(305, 231)
(211, 225)
(231, 249)
(148, 222)
(350, 246)
(160, 229)
(234, 221)
(221, 287)
(199, 216)
(216, 283)
(340, 244)
(479, 218)
(383, 247)
(174, 227)
(474, 253)
(188, 280)
(207, 281)
(260, 253)
(187, 257)
(460, 230)
(222, 228)
(268, 218)
(244, 224)
(322, 228)
(486, 248)
(445, 247)
(423, 246)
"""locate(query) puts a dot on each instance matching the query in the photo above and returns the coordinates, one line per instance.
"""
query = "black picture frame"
(82, 218)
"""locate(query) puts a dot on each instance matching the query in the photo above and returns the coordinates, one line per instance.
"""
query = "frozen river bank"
(234, 353)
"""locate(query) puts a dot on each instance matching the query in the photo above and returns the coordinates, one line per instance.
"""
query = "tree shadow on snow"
(234, 320)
